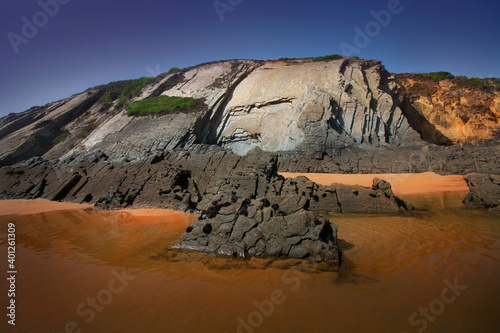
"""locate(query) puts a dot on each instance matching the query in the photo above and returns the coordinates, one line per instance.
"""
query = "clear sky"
(71, 45)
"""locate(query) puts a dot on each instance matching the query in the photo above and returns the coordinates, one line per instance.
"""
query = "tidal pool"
(80, 270)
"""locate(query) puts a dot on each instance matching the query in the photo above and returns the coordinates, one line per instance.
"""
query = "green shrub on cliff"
(121, 102)
(160, 104)
(61, 137)
(436, 76)
(174, 70)
(136, 86)
(475, 82)
(327, 57)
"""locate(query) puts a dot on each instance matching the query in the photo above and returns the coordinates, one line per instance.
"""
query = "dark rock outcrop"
(184, 181)
(484, 192)
(271, 226)
(453, 160)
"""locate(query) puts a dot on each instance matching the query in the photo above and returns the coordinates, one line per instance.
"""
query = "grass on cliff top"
(487, 84)
(173, 70)
(160, 104)
(327, 57)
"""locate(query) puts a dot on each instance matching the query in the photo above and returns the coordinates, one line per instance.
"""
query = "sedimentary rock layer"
(180, 180)
(295, 107)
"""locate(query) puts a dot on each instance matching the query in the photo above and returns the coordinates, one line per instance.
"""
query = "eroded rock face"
(311, 107)
(484, 191)
(181, 180)
(447, 113)
(271, 226)
(346, 115)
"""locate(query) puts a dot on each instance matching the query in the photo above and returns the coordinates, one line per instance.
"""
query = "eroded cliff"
(452, 110)
(343, 115)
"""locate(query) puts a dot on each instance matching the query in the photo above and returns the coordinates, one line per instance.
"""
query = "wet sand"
(402, 184)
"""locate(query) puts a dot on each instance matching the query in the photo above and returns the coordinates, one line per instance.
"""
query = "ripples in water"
(393, 265)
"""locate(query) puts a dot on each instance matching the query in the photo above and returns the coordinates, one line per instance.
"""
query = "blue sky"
(86, 43)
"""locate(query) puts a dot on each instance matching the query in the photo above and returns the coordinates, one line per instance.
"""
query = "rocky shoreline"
(253, 119)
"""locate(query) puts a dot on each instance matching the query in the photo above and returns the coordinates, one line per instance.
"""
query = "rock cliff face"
(331, 112)
(277, 106)
(298, 107)
(448, 112)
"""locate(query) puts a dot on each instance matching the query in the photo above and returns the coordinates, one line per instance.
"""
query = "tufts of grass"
(60, 138)
(121, 102)
(477, 83)
(327, 57)
(437, 76)
(136, 86)
(106, 98)
(160, 104)
(174, 70)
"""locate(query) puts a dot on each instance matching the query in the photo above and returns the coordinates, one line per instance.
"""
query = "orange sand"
(413, 183)
(28, 207)
(138, 212)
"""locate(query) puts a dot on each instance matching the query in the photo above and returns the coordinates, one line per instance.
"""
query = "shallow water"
(393, 266)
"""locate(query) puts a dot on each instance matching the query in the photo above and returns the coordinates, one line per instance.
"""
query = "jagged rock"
(484, 191)
(185, 181)
(271, 226)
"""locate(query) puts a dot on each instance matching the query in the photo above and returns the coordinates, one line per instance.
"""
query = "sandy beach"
(402, 184)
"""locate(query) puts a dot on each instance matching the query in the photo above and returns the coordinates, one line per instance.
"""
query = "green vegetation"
(169, 84)
(61, 137)
(106, 98)
(475, 82)
(174, 70)
(160, 104)
(109, 96)
(436, 76)
(136, 86)
(327, 57)
(488, 84)
(121, 102)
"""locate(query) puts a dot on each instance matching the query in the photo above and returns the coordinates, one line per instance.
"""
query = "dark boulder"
(273, 226)
(484, 191)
